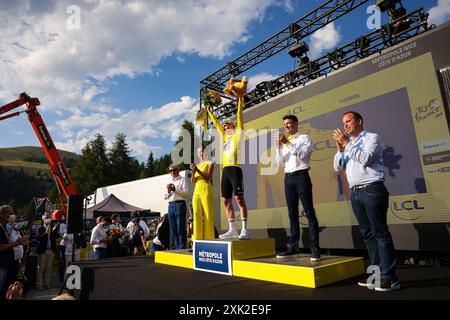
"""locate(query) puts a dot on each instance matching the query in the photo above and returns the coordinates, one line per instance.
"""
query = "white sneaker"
(230, 234)
(245, 235)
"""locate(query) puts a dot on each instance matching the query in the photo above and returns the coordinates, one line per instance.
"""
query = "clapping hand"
(170, 187)
(280, 138)
(15, 291)
(341, 139)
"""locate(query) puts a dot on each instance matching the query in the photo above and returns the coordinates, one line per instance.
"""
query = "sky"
(110, 66)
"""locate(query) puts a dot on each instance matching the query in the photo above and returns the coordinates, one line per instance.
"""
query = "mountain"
(32, 159)
(24, 175)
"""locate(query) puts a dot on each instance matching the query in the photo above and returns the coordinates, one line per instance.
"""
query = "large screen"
(403, 104)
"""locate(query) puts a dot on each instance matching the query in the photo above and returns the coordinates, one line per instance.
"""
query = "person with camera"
(7, 263)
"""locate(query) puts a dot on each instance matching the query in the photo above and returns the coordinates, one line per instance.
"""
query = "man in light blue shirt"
(360, 155)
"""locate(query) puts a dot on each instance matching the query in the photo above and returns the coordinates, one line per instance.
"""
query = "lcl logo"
(407, 205)
(407, 210)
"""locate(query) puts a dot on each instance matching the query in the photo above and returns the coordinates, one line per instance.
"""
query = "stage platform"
(139, 278)
(255, 259)
(300, 271)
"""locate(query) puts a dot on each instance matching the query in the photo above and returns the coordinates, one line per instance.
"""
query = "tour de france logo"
(431, 109)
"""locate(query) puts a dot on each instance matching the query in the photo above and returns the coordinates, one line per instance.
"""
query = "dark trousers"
(370, 206)
(299, 187)
(177, 223)
(62, 262)
(99, 253)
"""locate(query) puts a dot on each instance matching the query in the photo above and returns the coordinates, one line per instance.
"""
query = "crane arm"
(57, 167)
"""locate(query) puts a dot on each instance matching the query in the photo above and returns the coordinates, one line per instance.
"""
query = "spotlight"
(293, 28)
(298, 50)
(233, 68)
(385, 5)
(304, 60)
(335, 59)
(361, 44)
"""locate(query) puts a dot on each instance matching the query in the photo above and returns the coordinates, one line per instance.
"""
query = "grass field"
(31, 159)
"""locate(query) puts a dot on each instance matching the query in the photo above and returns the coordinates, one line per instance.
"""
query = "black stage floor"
(139, 278)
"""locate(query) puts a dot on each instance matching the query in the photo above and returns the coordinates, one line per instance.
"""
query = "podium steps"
(255, 259)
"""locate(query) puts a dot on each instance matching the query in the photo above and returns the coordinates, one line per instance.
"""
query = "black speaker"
(75, 214)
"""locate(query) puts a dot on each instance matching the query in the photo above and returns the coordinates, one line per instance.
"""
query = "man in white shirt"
(177, 194)
(293, 154)
(18, 250)
(99, 239)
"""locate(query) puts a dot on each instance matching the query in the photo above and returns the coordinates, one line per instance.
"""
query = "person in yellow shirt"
(203, 198)
(232, 177)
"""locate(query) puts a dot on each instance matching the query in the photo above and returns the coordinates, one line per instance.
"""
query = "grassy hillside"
(31, 159)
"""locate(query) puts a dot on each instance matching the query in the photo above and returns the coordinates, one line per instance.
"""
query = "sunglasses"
(173, 170)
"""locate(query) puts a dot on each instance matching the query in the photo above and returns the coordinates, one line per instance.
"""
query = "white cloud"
(139, 125)
(440, 13)
(324, 39)
(258, 78)
(116, 37)
(70, 69)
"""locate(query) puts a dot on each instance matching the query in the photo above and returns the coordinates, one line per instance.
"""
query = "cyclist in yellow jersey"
(232, 178)
(203, 198)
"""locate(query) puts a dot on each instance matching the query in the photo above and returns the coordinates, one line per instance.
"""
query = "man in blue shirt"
(360, 155)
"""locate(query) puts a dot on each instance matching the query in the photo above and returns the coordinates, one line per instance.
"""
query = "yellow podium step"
(177, 258)
(300, 271)
(240, 249)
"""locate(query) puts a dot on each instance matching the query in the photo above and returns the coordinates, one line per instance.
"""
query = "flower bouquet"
(115, 232)
(209, 98)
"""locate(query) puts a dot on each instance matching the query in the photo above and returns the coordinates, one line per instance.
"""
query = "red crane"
(64, 182)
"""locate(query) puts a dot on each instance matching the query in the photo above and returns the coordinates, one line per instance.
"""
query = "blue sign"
(212, 256)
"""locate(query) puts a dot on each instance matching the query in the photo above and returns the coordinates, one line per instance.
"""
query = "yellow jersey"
(231, 142)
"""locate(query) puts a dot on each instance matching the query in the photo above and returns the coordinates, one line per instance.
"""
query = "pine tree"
(188, 126)
(150, 167)
(123, 167)
(92, 169)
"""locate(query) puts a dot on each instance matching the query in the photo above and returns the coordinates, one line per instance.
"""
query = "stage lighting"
(335, 59)
(298, 50)
(385, 5)
(361, 44)
(293, 28)
(233, 68)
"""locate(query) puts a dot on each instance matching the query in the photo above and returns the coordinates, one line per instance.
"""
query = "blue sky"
(109, 66)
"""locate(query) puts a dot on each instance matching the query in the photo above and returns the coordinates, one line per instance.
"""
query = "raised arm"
(215, 121)
(240, 109)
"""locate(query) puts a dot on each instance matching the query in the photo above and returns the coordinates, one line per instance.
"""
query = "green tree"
(150, 167)
(92, 168)
(162, 164)
(83, 173)
(123, 167)
(189, 127)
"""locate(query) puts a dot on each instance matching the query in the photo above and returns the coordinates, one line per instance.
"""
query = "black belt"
(363, 186)
(298, 172)
(177, 201)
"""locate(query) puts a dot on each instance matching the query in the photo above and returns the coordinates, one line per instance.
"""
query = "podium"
(255, 259)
